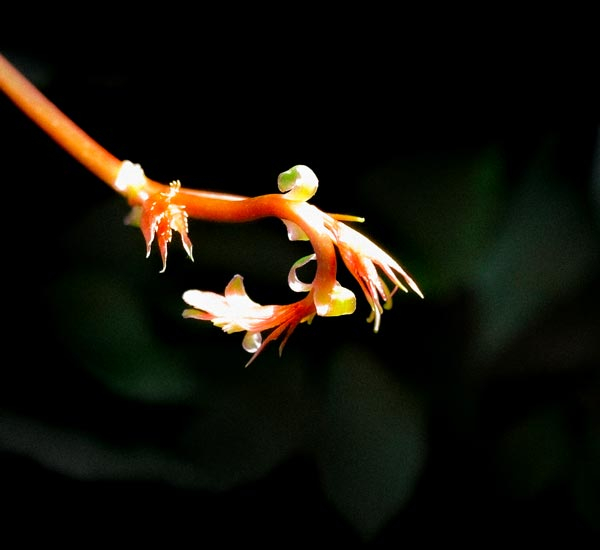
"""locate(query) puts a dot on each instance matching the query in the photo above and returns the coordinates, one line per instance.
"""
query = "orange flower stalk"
(160, 209)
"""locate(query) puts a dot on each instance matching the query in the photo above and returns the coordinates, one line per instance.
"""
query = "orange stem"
(58, 126)
(198, 204)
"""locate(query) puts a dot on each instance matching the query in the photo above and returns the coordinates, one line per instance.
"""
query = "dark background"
(472, 414)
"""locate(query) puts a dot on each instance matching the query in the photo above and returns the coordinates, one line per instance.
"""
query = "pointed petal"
(148, 226)
(187, 245)
(179, 223)
(236, 295)
(196, 314)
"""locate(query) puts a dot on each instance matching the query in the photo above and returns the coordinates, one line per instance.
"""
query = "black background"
(394, 123)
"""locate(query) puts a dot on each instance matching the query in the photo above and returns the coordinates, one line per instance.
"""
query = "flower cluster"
(236, 312)
(159, 210)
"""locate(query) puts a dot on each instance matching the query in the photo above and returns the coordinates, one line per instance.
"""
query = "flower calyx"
(159, 217)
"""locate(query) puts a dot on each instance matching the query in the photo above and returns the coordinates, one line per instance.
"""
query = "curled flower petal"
(339, 301)
(299, 183)
(296, 284)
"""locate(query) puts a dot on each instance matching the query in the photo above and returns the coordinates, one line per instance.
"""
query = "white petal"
(210, 302)
(296, 284)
